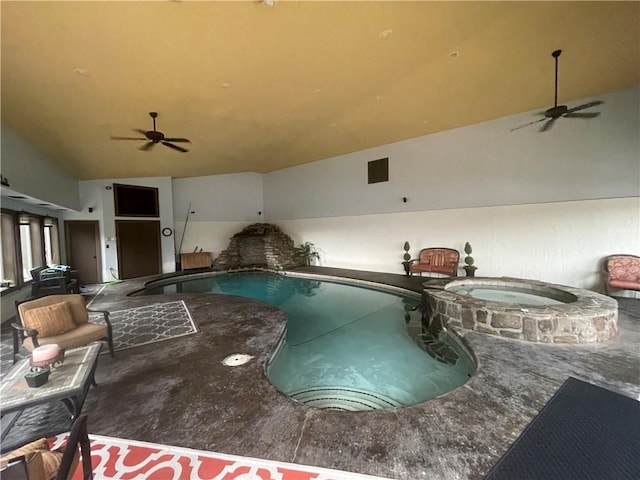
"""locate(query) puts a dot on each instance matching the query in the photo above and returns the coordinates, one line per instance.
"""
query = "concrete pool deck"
(178, 392)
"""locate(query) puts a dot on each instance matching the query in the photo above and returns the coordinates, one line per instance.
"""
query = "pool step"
(341, 398)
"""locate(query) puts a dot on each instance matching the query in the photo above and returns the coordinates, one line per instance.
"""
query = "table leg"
(73, 406)
(7, 422)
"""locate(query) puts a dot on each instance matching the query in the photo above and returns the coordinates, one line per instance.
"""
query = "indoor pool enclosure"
(347, 345)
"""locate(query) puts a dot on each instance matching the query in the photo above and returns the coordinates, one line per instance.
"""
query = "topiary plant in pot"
(469, 267)
(407, 259)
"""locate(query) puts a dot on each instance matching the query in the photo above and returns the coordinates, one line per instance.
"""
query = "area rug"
(115, 458)
(152, 323)
(583, 432)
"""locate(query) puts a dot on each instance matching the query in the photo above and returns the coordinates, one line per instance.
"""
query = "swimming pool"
(346, 346)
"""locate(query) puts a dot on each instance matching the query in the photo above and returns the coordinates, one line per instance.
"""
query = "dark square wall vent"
(379, 170)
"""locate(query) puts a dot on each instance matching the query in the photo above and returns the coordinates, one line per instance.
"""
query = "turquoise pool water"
(506, 295)
(346, 346)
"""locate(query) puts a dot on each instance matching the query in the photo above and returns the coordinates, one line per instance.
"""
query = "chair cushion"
(625, 268)
(49, 320)
(78, 337)
(41, 462)
(445, 269)
(625, 284)
(78, 309)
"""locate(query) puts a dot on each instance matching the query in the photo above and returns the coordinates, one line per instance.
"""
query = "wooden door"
(83, 249)
(139, 252)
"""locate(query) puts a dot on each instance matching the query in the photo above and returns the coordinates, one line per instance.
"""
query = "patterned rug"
(115, 458)
(152, 323)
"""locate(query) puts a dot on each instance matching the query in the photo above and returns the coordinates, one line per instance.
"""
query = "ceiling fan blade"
(140, 131)
(175, 147)
(127, 138)
(582, 115)
(179, 140)
(586, 105)
(527, 124)
(548, 125)
(147, 146)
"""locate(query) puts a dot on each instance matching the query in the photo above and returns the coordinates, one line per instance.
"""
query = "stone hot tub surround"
(586, 317)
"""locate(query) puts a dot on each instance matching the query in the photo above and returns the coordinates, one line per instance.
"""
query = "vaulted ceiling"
(259, 87)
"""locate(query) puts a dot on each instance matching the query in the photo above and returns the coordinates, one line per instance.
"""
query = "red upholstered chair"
(436, 260)
(621, 271)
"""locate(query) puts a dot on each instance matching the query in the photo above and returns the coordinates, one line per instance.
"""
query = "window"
(9, 270)
(25, 250)
(28, 240)
(51, 242)
(31, 243)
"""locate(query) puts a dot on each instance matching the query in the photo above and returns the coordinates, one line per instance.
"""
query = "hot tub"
(522, 309)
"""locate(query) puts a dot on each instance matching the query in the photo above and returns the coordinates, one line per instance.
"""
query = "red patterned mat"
(115, 458)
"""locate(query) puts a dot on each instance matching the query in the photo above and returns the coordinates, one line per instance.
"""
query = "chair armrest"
(19, 330)
(30, 332)
(105, 316)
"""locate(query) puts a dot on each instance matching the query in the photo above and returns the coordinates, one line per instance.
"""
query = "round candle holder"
(46, 361)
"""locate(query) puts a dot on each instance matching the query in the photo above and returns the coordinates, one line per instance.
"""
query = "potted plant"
(407, 259)
(469, 267)
(305, 252)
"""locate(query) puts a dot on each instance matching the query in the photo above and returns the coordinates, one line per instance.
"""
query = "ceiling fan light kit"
(152, 137)
(554, 113)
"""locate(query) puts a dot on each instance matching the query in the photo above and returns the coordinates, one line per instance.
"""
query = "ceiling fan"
(557, 111)
(153, 136)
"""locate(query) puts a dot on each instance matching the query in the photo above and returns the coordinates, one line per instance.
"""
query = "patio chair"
(621, 271)
(52, 281)
(36, 461)
(59, 319)
(436, 260)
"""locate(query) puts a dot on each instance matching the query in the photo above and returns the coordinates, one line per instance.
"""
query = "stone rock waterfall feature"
(260, 245)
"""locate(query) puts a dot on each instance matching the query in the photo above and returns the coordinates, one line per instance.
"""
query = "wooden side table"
(195, 260)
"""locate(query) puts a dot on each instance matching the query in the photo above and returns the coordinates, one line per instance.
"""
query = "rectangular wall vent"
(379, 170)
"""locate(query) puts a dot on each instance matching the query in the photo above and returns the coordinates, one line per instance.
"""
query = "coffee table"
(69, 383)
